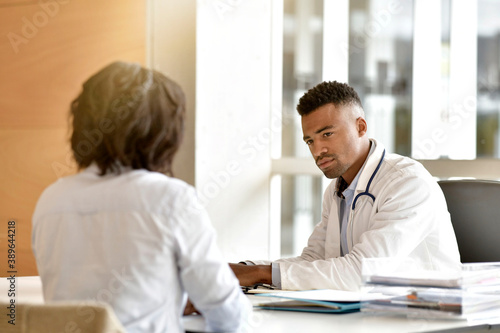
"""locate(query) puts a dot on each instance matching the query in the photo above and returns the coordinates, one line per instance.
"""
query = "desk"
(29, 290)
(271, 321)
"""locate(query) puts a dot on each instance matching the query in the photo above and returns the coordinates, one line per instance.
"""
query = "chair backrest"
(474, 206)
(82, 317)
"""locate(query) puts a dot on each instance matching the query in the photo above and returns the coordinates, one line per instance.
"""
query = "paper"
(327, 295)
(379, 271)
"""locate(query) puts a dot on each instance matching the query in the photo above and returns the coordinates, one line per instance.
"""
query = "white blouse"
(139, 241)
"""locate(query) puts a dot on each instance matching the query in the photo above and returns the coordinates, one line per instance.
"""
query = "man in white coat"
(378, 205)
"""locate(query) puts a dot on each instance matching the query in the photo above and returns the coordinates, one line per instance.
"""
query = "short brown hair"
(128, 116)
(327, 92)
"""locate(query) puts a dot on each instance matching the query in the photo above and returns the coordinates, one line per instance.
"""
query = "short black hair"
(327, 92)
(127, 115)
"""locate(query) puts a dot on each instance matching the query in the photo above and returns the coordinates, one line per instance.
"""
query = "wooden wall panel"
(41, 72)
(5, 3)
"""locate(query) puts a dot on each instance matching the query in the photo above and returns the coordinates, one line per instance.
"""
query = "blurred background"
(427, 73)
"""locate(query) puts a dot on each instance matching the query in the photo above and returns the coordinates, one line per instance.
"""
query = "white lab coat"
(408, 219)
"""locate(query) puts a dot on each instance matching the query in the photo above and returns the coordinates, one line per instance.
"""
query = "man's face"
(334, 136)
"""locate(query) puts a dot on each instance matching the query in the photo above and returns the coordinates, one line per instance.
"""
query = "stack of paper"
(471, 292)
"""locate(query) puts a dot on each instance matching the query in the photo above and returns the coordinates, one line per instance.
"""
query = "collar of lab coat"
(119, 169)
(371, 165)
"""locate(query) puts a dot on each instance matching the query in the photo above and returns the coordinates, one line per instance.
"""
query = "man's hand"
(252, 274)
(189, 309)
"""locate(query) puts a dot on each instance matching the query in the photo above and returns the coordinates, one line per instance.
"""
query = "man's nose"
(318, 150)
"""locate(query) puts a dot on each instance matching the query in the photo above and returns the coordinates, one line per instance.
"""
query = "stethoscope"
(366, 192)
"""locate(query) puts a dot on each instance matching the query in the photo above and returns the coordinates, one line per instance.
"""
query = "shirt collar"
(340, 187)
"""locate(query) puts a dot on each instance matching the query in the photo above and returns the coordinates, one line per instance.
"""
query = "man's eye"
(309, 142)
(327, 134)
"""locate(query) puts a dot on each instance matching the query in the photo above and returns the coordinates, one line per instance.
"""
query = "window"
(380, 68)
(429, 85)
(302, 69)
(488, 79)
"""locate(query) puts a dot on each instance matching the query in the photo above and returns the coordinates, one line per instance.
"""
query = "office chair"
(474, 206)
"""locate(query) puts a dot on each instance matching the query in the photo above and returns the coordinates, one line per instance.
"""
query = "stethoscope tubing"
(367, 190)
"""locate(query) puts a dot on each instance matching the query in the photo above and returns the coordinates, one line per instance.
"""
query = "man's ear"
(361, 126)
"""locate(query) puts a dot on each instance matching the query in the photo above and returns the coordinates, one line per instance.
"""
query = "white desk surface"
(273, 321)
(28, 290)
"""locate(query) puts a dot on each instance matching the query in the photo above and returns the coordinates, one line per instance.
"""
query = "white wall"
(233, 122)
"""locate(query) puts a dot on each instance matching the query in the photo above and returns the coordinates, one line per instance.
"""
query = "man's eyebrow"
(318, 131)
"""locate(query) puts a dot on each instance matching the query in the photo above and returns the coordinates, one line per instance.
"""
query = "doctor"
(377, 205)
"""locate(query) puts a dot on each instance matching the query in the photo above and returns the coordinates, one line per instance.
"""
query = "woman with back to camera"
(123, 232)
